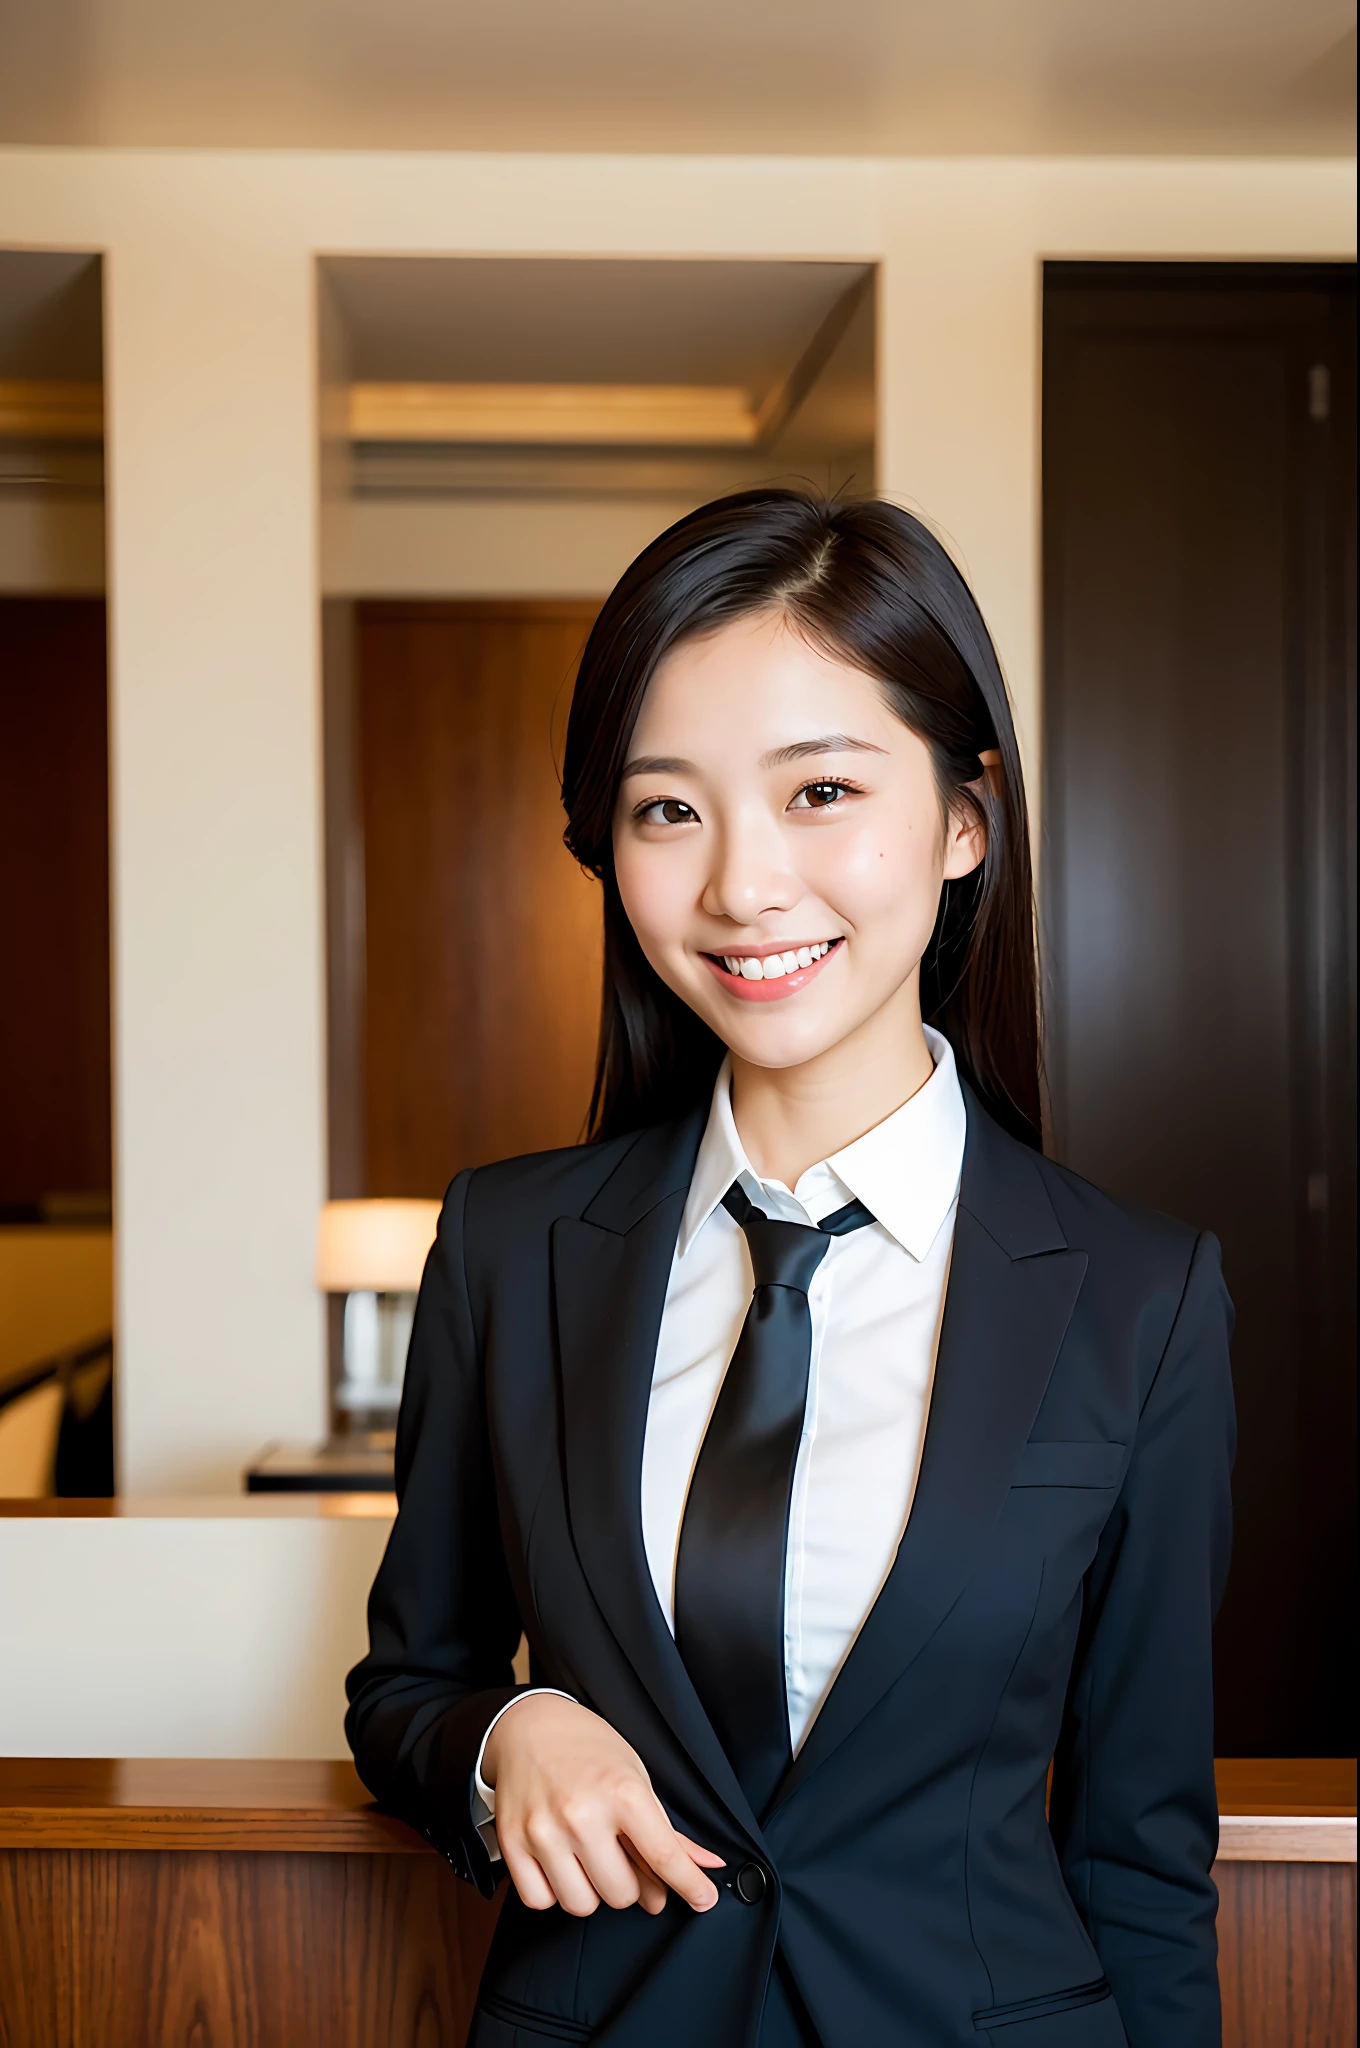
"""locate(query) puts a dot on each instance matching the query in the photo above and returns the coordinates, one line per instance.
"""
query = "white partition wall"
(214, 601)
(199, 1628)
(214, 733)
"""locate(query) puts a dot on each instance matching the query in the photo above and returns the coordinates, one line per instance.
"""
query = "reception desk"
(259, 1904)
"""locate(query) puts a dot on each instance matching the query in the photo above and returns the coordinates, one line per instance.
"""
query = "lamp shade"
(377, 1246)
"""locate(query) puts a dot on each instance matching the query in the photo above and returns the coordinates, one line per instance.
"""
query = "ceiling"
(506, 320)
(796, 335)
(861, 77)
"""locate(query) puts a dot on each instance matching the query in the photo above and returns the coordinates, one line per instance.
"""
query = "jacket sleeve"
(442, 1620)
(1134, 1811)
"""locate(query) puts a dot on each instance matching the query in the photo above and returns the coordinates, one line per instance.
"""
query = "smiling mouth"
(763, 977)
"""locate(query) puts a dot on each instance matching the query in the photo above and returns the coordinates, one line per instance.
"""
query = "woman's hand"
(576, 1817)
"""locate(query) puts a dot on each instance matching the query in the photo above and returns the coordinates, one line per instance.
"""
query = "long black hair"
(870, 586)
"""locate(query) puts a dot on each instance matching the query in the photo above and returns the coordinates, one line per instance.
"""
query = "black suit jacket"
(1051, 1600)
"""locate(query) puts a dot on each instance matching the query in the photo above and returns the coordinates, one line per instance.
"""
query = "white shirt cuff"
(484, 1795)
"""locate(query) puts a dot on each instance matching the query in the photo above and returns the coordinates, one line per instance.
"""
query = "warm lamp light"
(374, 1253)
(379, 1247)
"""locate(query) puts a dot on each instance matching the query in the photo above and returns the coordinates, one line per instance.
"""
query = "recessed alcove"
(56, 1169)
(498, 439)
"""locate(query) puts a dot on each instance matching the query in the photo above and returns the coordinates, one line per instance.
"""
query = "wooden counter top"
(1273, 1810)
(1286, 1810)
(182, 1803)
(207, 1507)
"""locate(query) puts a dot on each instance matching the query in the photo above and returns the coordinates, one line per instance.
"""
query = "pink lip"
(768, 991)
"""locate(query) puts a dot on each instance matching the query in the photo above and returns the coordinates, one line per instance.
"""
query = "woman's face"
(779, 842)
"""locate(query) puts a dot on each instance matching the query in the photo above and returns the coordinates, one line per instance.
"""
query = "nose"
(750, 875)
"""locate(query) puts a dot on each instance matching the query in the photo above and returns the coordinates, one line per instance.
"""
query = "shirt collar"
(906, 1169)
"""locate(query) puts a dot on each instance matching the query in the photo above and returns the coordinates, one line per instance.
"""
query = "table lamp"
(373, 1252)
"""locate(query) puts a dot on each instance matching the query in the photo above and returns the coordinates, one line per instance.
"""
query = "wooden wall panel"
(55, 1070)
(276, 1949)
(146, 1949)
(482, 936)
(1199, 691)
(1286, 1936)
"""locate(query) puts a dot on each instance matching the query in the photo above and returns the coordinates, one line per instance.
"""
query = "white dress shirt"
(876, 1302)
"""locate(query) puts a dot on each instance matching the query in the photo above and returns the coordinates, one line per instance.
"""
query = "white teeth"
(775, 964)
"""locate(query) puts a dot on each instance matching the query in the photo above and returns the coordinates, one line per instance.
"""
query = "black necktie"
(729, 1573)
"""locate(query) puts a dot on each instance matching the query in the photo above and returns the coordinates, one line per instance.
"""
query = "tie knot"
(788, 1254)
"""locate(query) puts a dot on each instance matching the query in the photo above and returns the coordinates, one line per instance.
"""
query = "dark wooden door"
(55, 1085)
(1199, 674)
(481, 983)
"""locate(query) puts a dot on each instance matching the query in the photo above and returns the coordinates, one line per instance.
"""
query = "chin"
(772, 1041)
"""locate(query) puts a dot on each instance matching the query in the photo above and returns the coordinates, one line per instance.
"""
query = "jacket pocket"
(550, 2026)
(1079, 1464)
(1043, 2008)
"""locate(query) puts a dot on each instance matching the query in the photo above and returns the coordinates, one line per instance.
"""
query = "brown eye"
(667, 810)
(820, 794)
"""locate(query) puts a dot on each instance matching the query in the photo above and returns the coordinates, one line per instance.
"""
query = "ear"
(966, 833)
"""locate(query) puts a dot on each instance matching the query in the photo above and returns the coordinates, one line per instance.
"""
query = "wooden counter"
(269, 1905)
(224, 1905)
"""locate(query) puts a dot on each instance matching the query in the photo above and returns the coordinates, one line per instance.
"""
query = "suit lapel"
(1013, 1284)
(610, 1272)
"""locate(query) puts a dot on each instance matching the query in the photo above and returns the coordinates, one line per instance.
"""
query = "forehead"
(758, 676)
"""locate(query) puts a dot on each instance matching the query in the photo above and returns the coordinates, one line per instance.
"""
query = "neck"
(790, 1118)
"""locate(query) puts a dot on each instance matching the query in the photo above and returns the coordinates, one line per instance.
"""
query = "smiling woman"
(767, 870)
(846, 1463)
(844, 652)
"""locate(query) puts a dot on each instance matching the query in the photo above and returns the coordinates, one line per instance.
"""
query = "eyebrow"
(779, 757)
(827, 743)
(657, 764)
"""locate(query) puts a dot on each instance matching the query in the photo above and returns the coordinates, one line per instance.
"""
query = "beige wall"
(213, 579)
(217, 1628)
(479, 547)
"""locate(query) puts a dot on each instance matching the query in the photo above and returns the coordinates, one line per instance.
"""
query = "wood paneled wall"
(1199, 548)
(481, 936)
(148, 1949)
(103, 1948)
(1286, 1954)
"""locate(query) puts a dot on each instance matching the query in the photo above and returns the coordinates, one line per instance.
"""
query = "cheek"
(876, 872)
(654, 890)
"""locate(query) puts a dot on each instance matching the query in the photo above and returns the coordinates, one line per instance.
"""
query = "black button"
(751, 1883)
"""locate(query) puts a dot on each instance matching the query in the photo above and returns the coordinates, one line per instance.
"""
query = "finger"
(528, 1877)
(574, 1891)
(652, 1893)
(662, 1848)
(610, 1870)
(593, 1840)
(707, 1859)
(572, 1888)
